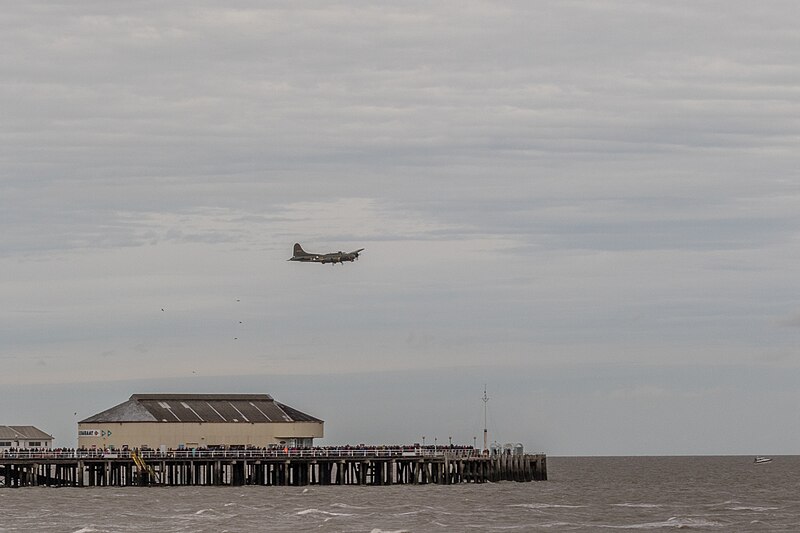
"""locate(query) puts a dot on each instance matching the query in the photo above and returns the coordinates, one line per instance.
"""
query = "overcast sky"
(591, 206)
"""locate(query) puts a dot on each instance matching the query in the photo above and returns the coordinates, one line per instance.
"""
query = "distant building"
(24, 437)
(199, 421)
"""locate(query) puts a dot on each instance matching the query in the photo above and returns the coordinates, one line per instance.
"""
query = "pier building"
(24, 437)
(190, 421)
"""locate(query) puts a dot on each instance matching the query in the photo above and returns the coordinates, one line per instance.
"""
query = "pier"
(265, 467)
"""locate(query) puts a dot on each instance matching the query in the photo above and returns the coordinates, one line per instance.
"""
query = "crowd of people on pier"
(279, 450)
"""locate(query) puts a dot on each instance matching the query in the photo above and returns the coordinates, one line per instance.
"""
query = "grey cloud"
(791, 322)
(585, 181)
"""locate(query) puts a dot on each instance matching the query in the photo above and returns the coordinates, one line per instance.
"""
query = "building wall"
(193, 434)
(6, 444)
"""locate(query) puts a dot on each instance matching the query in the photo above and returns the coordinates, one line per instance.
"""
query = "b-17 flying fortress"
(332, 258)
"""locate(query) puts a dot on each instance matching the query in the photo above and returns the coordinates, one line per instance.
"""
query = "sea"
(582, 494)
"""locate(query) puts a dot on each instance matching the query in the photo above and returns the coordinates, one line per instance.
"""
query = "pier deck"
(268, 467)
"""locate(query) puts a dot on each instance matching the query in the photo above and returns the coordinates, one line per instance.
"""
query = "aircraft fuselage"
(333, 258)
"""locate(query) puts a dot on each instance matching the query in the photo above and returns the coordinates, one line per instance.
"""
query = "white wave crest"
(545, 506)
(637, 505)
(319, 511)
(346, 506)
(672, 523)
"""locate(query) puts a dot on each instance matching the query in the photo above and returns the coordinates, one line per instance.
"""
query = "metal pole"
(485, 431)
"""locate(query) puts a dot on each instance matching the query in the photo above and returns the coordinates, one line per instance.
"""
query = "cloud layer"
(585, 183)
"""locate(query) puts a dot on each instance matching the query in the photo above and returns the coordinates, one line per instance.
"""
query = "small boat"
(760, 460)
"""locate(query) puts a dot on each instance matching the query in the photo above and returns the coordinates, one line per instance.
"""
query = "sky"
(591, 208)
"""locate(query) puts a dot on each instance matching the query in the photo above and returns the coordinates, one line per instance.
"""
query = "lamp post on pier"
(485, 431)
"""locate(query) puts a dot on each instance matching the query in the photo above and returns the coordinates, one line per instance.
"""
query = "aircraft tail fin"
(298, 250)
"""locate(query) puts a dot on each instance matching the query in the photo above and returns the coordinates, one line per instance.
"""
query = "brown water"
(583, 494)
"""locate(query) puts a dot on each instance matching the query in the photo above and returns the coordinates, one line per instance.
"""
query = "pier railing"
(257, 453)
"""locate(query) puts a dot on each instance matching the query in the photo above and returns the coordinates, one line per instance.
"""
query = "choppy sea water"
(583, 494)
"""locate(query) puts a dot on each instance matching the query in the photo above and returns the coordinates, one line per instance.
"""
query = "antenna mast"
(485, 432)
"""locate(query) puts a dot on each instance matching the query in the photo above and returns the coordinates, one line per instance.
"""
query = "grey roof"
(256, 408)
(23, 432)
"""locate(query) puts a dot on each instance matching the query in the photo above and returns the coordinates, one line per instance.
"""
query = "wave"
(546, 506)
(346, 506)
(503, 528)
(671, 523)
(637, 505)
(206, 514)
(559, 525)
(319, 511)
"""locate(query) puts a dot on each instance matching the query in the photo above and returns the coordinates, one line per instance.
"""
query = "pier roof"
(23, 432)
(192, 408)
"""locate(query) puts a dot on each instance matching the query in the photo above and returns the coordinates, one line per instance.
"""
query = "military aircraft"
(332, 258)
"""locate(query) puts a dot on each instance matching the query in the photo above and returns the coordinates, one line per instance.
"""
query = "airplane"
(332, 258)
